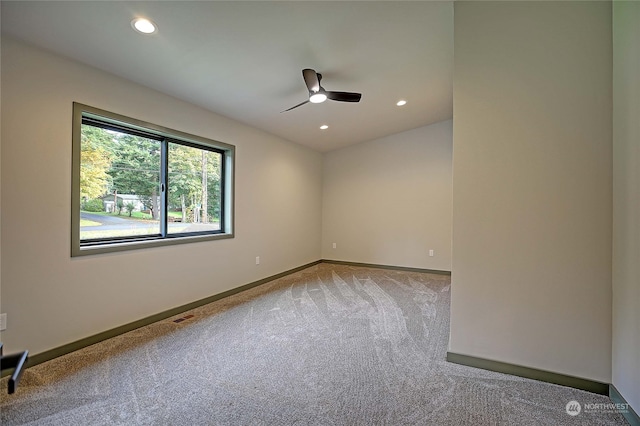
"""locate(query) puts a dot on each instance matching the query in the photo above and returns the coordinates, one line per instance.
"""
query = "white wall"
(626, 201)
(388, 201)
(532, 185)
(52, 299)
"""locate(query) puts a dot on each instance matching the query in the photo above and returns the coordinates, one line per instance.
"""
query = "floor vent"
(183, 319)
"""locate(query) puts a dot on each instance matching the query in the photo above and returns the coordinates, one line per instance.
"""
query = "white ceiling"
(244, 60)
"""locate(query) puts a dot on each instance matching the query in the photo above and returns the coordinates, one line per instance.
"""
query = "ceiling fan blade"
(300, 104)
(344, 96)
(311, 79)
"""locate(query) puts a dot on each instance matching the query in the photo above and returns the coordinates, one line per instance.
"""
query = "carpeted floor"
(330, 345)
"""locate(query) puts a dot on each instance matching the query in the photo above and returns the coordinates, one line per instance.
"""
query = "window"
(139, 185)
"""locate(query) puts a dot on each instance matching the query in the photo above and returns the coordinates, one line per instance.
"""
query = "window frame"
(113, 121)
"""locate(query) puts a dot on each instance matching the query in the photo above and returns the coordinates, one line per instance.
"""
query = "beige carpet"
(330, 345)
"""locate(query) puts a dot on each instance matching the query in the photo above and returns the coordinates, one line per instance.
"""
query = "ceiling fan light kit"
(317, 94)
(317, 98)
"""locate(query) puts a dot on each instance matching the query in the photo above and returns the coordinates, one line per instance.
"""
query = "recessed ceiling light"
(324, 127)
(401, 102)
(144, 26)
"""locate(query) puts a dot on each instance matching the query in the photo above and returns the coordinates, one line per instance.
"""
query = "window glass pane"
(119, 184)
(194, 202)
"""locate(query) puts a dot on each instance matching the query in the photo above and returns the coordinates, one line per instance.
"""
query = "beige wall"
(626, 201)
(388, 201)
(52, 299)
(532, 185)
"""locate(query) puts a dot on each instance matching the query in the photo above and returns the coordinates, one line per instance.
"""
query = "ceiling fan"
(317, 94)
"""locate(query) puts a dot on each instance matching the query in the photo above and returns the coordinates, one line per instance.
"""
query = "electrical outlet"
(3, 322)
(431, 253)
(334, 245)
(257, 260)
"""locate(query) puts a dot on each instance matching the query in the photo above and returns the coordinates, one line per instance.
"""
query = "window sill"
(114, 247)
